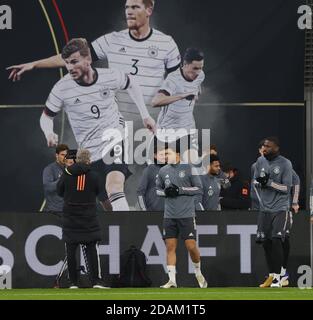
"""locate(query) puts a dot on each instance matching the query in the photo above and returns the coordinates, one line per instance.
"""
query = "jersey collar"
(92, 83)
(182, 73)
(143, 39)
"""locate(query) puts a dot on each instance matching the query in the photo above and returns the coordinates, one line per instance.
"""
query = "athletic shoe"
(276, 283)
(202, 282)
(169, 285)
(284, 280)
(267, 283)
(73, 287)
(100, 285)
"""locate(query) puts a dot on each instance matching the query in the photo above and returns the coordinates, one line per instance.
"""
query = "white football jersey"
(145, 59)
(179, 115)
(91, 109)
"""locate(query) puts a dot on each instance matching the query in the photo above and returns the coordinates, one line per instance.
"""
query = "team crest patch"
(182, 174)
(276, 170)
(153, 52)
(210, 192)
(104, 92)
(167, 182)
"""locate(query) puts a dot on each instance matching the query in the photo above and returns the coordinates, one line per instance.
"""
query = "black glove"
(263, 178)
(260, 237)
(172, 191)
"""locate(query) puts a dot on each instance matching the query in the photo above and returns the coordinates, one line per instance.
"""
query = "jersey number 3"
(135, 61)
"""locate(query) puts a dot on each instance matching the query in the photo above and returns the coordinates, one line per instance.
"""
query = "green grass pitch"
(159, 294)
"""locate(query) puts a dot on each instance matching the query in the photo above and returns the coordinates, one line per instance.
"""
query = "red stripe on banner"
(61, 20)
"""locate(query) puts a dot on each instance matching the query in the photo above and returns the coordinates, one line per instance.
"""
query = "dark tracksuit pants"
(91, 260)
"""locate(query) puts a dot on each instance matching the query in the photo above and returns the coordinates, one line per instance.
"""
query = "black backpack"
(133, 269)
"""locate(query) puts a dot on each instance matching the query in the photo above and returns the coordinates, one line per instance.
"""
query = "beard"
(271, 156)
(132, 25)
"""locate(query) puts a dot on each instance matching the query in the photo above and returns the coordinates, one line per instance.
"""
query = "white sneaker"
(202, 282)
(100, 286)
(73, 287)
(169, 285)
(284, 280)
(276, 283)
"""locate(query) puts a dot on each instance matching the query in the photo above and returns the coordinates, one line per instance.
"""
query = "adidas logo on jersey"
(122, 50)
(77, 101)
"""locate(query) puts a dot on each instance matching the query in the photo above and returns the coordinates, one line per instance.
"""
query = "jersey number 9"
(95, 110)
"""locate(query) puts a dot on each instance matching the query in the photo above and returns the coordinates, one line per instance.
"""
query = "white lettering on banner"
(112, 249)
(5, 17)
(30, 250)
(6, 255)
(305, 21)
(151, 239)
(245, 232)
(204, 251)
(5, 277)
(154, 237)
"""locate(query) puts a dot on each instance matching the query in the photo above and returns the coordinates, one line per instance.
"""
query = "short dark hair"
(76, 45)
(174, 145)
(159, 145)
(193, 54)
(229, 167)
(213, 147)
(273, 139)
(214, 158)
(148, 3)
(261, 144)
(60, 148)
(71, 154)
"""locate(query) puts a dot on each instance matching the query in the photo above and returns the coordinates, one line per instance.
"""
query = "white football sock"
(283, 271)
(197, 267)
(172, 273)
(119, 202)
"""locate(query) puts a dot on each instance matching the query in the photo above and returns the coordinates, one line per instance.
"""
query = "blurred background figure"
(237, 195)
(255, 201)
(211, 185)
(51, 175)
(146, 192)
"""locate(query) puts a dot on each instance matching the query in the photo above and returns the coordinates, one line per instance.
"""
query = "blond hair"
(83, 156)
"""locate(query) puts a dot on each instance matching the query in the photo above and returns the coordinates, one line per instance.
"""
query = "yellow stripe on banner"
(42, 206)
(56, 46)
(253, 104)
(52, 32)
